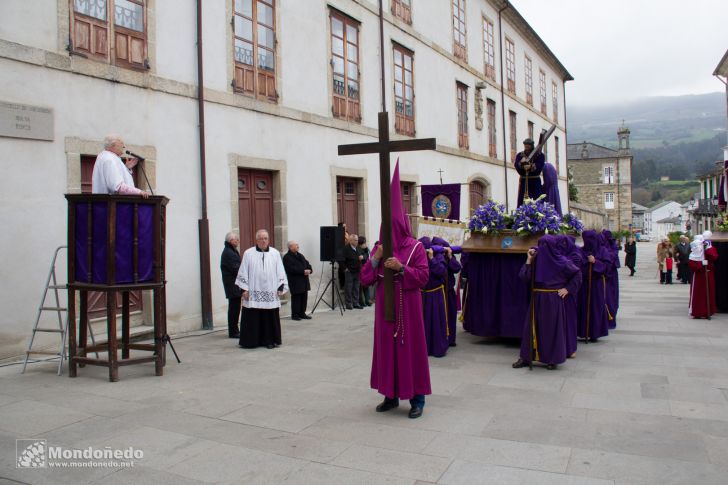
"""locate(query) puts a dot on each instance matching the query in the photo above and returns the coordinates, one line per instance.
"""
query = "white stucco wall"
(297, 136)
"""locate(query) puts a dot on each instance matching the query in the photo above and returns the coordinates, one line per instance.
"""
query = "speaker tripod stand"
(335, 293)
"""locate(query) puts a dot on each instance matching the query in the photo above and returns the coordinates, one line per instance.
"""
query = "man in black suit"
(297, 271)
(352, 264)
(229, 265)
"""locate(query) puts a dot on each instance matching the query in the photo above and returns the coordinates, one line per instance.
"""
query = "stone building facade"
(285, 82)
(604, 178)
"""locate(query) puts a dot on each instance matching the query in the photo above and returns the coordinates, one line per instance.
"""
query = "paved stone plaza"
(648, 404)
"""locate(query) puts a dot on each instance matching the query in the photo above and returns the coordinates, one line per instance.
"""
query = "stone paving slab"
(646, 405)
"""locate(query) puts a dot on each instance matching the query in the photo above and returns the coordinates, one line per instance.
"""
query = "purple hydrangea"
(571, 223)
(490, 217)
(536, 216)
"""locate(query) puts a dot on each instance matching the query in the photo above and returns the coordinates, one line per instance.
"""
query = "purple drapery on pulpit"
(723, 192)
(441, 201)
(124, 251)
(497, 298)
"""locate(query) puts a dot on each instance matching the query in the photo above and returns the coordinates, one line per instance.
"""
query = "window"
(458, 29)
(92, 30)
(403, 10)
(556, 153)
(477, 195)
(489, 48)
(462, 103)
(555, 100)
(254, 48)
(530, 130)
(528, 66)
(609, 200)
(404, 94)
(514, 135)
(608, 174)
(542, 86)
(345, 67)
(492, 144)
(511, 65)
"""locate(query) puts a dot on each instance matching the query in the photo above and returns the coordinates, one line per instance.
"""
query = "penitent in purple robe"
(545, 325)
(399, 360)
(464, 288)
(551, 186)
(612, 277)
(453, 268)
(571, 300)
(434, 304)
(593, 319)
(535, 189)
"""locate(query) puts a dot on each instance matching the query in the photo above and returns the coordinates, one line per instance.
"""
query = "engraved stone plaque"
(26, 121)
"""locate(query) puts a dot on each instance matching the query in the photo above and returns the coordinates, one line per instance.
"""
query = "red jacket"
(668, 263)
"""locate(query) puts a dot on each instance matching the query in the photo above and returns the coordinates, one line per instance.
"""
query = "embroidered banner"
(441, 201)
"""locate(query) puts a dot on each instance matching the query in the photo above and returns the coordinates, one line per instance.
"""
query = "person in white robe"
(111, 175)
(263, 280)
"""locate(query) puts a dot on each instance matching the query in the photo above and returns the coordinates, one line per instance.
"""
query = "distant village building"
(704, 209)
(665, 215)
(285, 82)
(638, 218)
(604, 178)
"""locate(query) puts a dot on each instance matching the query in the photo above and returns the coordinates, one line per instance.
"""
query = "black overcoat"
(229, 266)
(295, 264)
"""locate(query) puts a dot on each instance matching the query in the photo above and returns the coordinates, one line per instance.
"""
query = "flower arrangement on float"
(535, 216)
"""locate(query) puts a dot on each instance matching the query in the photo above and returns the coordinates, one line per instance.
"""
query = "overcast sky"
(618, 50)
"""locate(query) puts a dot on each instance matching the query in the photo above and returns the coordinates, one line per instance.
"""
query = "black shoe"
(305, 317)
(387, 405)
(295, 318)
(234, 335)
(551, 367)
(359, 307)
(270, 346)
(415, 412)
(519, 364)
(349, 307)
(453, 344)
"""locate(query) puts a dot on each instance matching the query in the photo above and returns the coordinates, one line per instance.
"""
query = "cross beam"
(384, 147)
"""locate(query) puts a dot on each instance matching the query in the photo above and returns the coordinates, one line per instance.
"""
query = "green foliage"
(674, 236)
(656, 195)
(573, 190)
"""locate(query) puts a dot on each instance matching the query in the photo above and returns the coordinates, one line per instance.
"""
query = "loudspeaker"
(332, 243)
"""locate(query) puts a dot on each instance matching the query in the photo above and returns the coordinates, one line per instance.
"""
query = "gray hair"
(230, 236)
(111, 140)
(261, 231)
(291, 243)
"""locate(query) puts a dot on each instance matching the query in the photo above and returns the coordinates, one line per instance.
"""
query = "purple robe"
(551, 186)
(399, 359)
(612, 278)
(464, 287)
(453, 268)
(545, 325)
(593, 321)
(535, 188)
(434, 304)
(571, 301)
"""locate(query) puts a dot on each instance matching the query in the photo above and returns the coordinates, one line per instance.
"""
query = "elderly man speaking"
(111, 175)
(263, 281)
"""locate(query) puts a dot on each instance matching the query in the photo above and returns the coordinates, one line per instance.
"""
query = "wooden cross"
(384, 147)
(440, 172)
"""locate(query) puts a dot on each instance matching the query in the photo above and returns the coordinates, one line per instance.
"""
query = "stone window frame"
(489, 48)
(607, 201)
(487, 188)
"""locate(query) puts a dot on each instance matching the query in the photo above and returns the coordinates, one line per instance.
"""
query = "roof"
(587, 150)
(525, 29)
(722, 67)
(637, 207)
(662, 204)
(670, 220)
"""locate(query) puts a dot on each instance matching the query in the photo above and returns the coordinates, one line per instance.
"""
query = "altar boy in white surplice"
(263, 281)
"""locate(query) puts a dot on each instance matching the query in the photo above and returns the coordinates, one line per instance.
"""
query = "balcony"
(707, 207)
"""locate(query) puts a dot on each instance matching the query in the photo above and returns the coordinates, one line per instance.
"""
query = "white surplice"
(261, 273)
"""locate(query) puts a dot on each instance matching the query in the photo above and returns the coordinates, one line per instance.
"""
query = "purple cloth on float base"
(551, 186)
(124, 244)
(434, 307)
(535, 189)
(400, 368)
(497, 300)
(464, 287)
(593, 303)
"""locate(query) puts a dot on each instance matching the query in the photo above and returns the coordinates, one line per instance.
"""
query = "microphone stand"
(141, 166)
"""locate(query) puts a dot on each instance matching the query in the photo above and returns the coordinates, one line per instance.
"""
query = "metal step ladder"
(62, 329)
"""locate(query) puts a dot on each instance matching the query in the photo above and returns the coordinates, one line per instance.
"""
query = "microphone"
(141, 158)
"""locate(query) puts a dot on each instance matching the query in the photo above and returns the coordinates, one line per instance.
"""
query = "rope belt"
(441, 288)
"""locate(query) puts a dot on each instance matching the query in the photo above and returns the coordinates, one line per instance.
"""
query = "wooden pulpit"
(116, 244)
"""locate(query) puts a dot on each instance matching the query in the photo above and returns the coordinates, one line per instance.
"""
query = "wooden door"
(255, 206)
(97, 299)
(477, 195)
(347, 203)
(408, 197)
